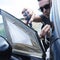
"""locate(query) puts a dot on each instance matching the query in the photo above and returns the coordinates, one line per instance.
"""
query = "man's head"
(44, 6)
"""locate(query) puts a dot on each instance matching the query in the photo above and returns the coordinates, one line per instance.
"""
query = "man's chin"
(47, 15)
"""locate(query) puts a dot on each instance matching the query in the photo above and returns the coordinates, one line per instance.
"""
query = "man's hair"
(38, 0)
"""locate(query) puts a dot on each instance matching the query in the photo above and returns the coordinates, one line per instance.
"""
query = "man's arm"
(35, 18)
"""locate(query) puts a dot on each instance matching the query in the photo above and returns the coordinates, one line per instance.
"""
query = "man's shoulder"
(42, 16)
(44, 19)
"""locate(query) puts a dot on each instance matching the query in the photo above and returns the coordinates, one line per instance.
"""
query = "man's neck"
(46, 16)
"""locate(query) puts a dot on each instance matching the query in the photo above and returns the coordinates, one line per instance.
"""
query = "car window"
(21, 37)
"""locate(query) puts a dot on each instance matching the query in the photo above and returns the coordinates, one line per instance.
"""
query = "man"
(45, 9)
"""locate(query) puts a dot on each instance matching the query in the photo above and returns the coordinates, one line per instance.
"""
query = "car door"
(23, 39)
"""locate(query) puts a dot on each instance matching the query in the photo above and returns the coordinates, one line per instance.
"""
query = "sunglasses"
(45, 7)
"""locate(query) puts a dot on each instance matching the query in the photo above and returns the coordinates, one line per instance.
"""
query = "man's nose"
(44, 10)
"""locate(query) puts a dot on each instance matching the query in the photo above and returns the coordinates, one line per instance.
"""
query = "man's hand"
(45, 30)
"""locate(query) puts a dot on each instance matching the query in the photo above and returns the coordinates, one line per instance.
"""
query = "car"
(24, 41)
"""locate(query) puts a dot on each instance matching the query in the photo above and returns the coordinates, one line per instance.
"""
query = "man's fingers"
(45, 30)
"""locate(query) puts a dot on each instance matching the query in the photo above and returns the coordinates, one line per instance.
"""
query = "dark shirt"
(45, 20)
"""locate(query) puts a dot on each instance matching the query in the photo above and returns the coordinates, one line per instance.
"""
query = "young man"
(44, 18)
(45, 8)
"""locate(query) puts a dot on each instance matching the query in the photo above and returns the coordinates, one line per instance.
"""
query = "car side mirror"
(5, 49)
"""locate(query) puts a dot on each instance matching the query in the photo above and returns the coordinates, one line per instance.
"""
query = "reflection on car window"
(2, 30)
(18, 35)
